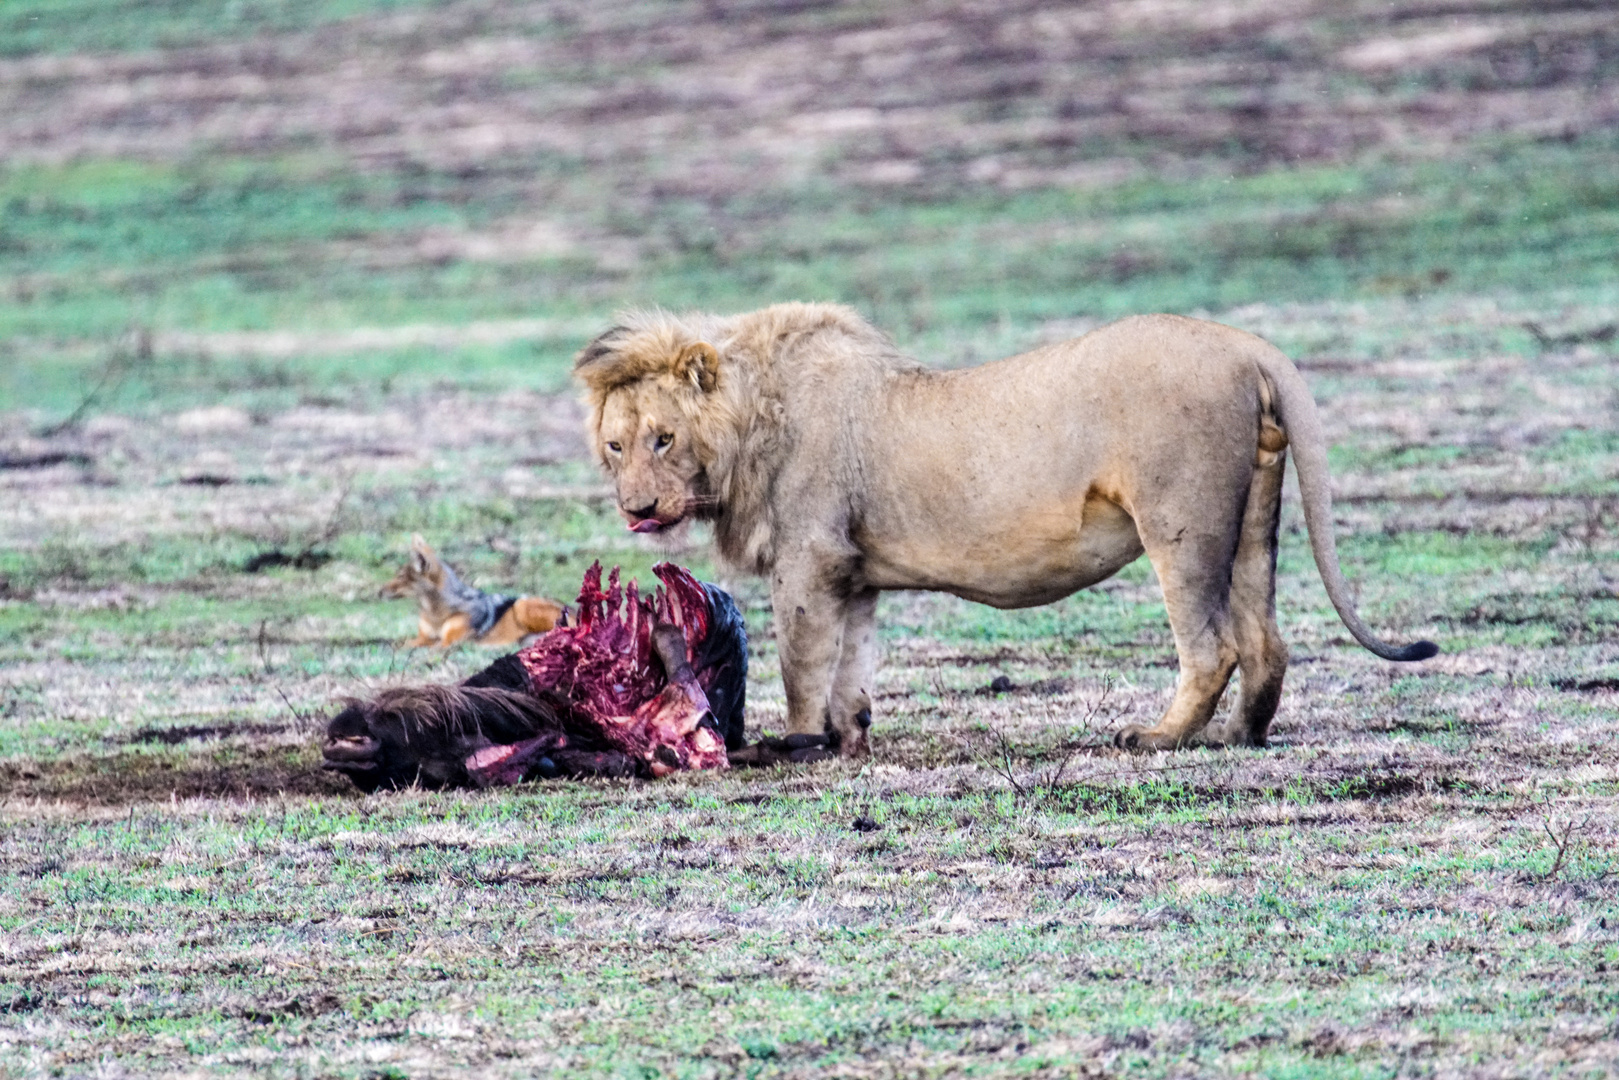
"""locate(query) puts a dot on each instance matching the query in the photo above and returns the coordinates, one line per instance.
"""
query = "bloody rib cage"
(603, 668)
(632, 686)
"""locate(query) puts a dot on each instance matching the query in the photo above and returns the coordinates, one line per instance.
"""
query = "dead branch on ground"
(133, 349)
(1042, 781)
(1561, 841)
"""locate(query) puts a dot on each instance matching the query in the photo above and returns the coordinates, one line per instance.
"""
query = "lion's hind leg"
(1261, 651)
(1193, 562)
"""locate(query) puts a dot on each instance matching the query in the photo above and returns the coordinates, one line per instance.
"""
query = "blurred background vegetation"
(259, 188)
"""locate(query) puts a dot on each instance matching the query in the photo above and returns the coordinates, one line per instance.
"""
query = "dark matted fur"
(422, 735)
(507, 673)
(722, 663)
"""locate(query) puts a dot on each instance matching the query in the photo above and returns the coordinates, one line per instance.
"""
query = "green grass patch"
(91, 249)
(30, 27)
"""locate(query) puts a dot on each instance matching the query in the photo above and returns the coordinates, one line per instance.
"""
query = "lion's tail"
(1296, 410)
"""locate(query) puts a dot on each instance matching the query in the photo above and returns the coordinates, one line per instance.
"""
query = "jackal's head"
(422, 572)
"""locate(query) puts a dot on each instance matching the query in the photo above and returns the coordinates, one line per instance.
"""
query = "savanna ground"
(283, 282)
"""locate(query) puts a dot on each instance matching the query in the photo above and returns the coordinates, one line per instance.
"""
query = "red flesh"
(604, 667)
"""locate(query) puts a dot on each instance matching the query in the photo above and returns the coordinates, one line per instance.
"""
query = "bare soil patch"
(250, 767)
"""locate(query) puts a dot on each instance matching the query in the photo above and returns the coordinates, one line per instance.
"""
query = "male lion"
(838, 467)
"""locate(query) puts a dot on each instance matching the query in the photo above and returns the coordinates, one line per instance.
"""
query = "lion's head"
(655, 422)
(686, 415)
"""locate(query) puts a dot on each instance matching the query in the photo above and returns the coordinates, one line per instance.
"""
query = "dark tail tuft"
(1417, 650)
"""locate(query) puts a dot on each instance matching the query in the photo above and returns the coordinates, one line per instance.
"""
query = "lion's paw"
(1142, 740)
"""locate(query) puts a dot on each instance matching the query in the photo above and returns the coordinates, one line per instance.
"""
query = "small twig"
(1561, 842)
(308, 557)
(303, 721)
(330, 530)
(264, 657)
(135, 345)
(1089, 721)
(1005, 768)
(1053, 777)
(1044, 781)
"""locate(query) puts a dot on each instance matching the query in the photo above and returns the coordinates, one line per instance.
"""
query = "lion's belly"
(1031, 560)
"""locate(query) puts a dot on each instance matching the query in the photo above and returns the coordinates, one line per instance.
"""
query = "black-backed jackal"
(452, 611)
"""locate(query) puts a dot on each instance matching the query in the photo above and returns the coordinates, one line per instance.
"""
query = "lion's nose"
(644, 512)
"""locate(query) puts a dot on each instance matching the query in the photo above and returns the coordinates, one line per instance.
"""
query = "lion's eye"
(615, 447)
(664, 440)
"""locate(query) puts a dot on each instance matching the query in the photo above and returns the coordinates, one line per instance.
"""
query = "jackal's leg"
(426, 634)
(456, 628)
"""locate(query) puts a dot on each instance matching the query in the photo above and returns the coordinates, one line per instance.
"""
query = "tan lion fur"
(838, 467)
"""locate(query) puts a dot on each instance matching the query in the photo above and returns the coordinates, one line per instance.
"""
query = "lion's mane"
(734, 414)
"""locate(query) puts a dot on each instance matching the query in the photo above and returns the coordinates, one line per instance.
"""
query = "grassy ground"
(233, 322)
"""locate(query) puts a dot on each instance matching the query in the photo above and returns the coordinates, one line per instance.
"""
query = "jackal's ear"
(420, 554)
(699, 363)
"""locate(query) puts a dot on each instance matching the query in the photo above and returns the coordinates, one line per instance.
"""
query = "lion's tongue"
(650, 525)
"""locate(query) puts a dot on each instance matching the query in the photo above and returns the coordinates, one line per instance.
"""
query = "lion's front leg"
(810, 614)
(857, 671)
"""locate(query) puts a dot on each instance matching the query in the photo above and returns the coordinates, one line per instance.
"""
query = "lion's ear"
(700, 363)
(599, 362)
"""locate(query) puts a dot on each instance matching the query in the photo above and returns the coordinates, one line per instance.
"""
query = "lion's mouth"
(648, 520)
(651, 523)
